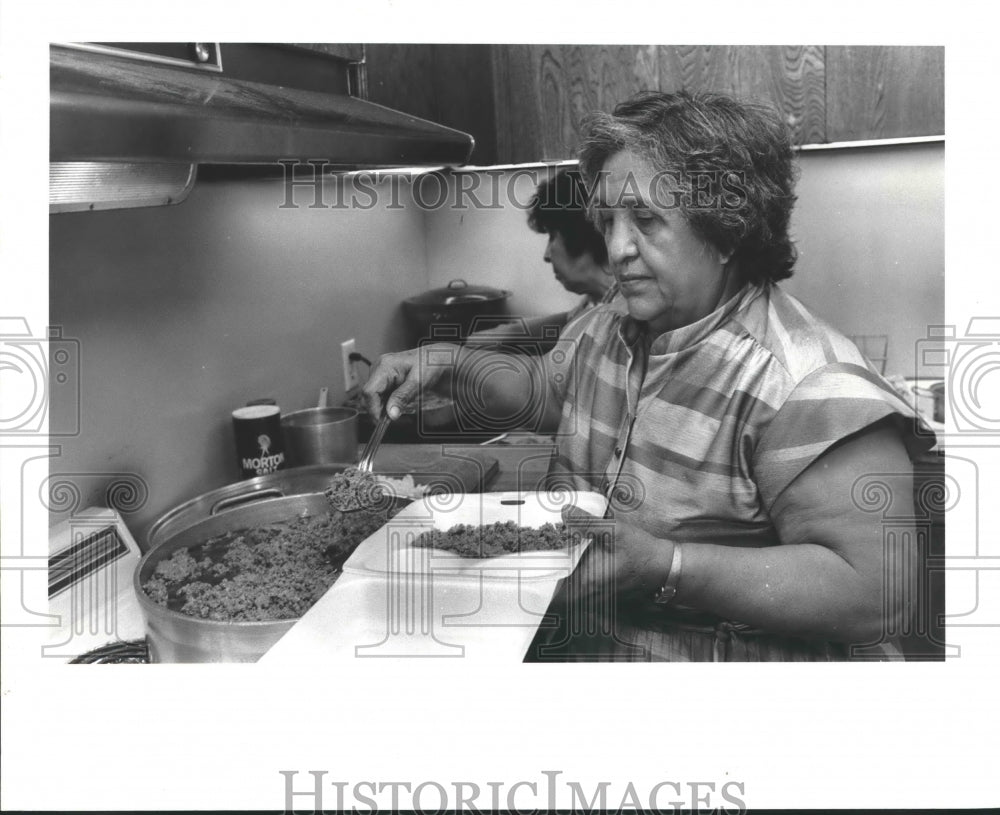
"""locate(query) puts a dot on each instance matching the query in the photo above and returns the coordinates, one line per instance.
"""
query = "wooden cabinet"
(448, 84)
(791, 78)
(544, 92)
(884, 92)
(528, 102)
(353, 52)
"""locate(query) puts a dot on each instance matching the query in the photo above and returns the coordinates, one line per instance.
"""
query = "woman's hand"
(623, 557)
(398, 379)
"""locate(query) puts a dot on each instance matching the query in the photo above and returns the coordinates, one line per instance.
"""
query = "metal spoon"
(368, 454)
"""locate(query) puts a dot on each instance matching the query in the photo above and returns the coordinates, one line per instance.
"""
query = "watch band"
(666, 593)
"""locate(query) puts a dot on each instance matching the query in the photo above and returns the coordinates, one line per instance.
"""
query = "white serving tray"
(390, 549)
(400, 602)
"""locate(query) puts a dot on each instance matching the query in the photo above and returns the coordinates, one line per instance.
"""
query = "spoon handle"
(368, 454)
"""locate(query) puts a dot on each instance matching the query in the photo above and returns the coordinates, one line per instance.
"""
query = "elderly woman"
(727, 424)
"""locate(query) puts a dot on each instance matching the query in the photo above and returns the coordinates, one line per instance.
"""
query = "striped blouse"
(695, 438)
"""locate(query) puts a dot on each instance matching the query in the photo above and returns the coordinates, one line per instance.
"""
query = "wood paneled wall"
(790, 77)
(878, 92)
(528, 102)
(449, 84)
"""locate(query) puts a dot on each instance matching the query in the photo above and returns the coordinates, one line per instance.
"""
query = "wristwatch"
(666, 593)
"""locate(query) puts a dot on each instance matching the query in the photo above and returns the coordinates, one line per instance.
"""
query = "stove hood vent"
(112, 104)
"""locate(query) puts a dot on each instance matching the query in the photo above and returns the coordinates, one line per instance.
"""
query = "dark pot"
(937, 389)
(452, 312)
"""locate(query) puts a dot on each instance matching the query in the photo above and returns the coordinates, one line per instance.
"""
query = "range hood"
(108, 105)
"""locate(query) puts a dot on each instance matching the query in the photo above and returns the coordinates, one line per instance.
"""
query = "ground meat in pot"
(272, 572)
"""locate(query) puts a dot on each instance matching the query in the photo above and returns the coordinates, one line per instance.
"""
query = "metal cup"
(321, 435)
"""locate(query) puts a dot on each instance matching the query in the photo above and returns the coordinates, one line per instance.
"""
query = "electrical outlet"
(351, 379)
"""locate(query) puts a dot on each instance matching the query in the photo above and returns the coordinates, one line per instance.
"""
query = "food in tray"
(271, 572)
(353, 489)
(499, 538)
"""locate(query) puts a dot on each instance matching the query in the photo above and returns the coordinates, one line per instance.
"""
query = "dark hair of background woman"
(559, 206)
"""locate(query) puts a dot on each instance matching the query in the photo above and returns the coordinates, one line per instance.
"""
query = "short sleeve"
(829, 405)
(561, 358)
(579, 342)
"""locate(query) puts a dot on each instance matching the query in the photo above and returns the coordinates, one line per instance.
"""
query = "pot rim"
(280, 484)
(337, 415)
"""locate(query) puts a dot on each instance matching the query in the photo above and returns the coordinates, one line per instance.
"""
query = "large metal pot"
(176, 637)
(453, 311)
(281, 484)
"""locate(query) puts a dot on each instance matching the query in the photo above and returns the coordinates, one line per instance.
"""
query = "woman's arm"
(534, 329)
(494, 384)
(825, 579)
(828, 575)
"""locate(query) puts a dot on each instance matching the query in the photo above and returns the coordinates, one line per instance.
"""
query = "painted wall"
(869, 225)
(184, 313)
(485, 240)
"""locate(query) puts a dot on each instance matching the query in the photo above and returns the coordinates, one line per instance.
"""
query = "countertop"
(523, 458)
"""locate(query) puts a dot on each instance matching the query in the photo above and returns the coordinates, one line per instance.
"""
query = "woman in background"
(576, 252)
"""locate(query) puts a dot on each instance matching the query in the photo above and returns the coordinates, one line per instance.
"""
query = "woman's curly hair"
(730, 163)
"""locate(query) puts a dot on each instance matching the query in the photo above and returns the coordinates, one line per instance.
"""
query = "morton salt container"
(260, 444)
